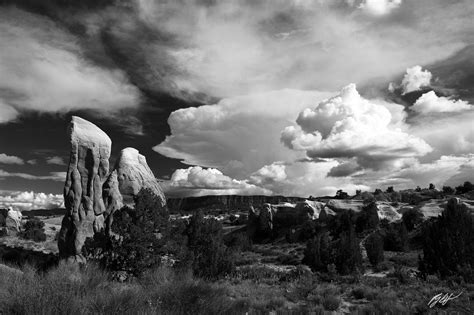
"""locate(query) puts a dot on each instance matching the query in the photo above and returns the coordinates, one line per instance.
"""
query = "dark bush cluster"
(137, 237)
(374, 247)
(340, 249)
(448, 243)
(395, 237)
(34, 230)
(466, 187)
(141, 238)
(210, 257)
(412, 218)
(368, 218)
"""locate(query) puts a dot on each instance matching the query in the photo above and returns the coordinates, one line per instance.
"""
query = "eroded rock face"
(87, 171)
(133, 174)
(13, 221)
(266, 218)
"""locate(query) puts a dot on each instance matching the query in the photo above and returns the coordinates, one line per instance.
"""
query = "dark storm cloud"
(344, 169)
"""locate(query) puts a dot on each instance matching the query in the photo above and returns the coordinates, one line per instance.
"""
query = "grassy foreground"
(88, 290)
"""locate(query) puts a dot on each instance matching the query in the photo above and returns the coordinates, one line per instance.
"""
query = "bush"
(448, 190)
(364, 292)
(412, 218)
(331, 302)
(348, 257)
(368, 218)
(396, 237)
(374, 248)
(2, 220)
(318, 254)
(448, 242)
(34, 230)
(138, 239)
(466, 187)
(210, 257)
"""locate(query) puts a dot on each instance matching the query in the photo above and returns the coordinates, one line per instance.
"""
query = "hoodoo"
(91, 193)
(87, 171)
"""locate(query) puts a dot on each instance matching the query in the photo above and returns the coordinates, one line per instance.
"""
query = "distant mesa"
(92, 193)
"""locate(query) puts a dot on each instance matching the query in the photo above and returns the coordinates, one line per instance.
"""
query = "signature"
(442, 298)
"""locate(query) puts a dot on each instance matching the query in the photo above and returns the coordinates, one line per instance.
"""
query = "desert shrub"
(395, 237)
(368, 218)
(239, 242)
(448, 242)
(448, 190)
(318, 254)
(171, 292)
(309, 229)
(331, 302)
(364, 292)
(401, 274)
(348, 256)
(384, 305)
(374, 248)
(211, 258)
(2, 220)
(412, 218)
(340, 194)
(341, 247)
(138, 239)
(466, 187)
(367, 197)
(410, 197)
(34, 230)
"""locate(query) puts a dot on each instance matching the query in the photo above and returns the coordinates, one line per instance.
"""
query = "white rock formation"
(133, 174)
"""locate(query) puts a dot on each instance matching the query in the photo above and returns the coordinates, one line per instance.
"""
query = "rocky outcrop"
(91, 193)
(225, 203)
(266, 219)
(13, 221)
(87, 171)
(133, 174)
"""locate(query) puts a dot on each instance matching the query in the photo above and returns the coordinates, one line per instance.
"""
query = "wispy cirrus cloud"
(43, 69)
(56, 176)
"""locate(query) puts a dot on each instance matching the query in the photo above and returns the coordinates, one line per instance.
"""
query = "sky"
(287, 97)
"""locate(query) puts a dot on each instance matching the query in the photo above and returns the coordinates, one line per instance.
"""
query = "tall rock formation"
(131, 174)
(87, 171)
(91, 193)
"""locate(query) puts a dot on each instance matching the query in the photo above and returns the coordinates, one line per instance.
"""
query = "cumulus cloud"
(43, 69)
(56, 176)
(415, 78)
(379, 7)
(448, 133)
(275, 172)
(10, 159)
(29, 200)
(237, 135)
(55, 160)
(349, 126)
(431, 103)
(200, 181)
